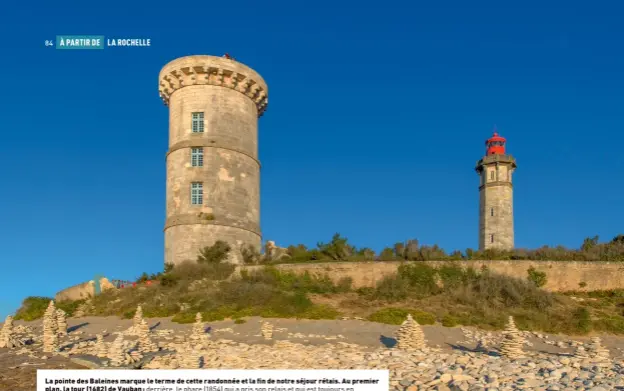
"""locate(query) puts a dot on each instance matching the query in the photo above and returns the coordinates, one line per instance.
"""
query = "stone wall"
(562, 276)
(82, 291)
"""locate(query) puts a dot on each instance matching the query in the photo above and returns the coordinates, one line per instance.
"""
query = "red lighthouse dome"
(495, 145)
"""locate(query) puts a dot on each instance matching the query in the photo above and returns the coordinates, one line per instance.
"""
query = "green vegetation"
(33, 307)
(449, 293)
(397, 316)
(536, 277)
(339, 249)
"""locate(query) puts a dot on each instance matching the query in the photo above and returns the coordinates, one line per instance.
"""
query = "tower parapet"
(213, 171)
(215, 71)
(495, 169)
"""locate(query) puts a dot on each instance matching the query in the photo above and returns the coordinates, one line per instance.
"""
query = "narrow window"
(491, 175)
(197, 157)
(198, 122)
(197, 193)
(492, 238)
(491, 211)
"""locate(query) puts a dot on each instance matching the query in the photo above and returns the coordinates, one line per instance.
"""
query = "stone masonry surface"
(496, 228)
(561, 276)
(231, 97)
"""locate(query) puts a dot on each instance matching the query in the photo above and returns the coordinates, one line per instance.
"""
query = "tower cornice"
(215, 71)
(495, 159)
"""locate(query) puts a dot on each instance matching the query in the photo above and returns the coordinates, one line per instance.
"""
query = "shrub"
(189, 271)
(536, 277)
(184, 318)
(420, 277)
(582, 320)
(239, 321)
(250, 254)
(450, 321)
(391, 288)
(397, 316)
(290, 281)
(32, 308)
(452, 275)
(338, 249)
(69, 306)
(216, 253)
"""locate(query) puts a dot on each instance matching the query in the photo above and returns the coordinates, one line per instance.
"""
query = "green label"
(80, 42)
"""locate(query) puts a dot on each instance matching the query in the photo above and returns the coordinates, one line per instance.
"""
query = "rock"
(267, 330)
(61, 322)
(145, 344)
(50, 329)
(511, 346)
(410, 335)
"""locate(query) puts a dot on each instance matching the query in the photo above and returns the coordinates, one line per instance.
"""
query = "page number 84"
(49, 43)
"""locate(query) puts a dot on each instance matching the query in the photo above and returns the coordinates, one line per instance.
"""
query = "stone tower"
(213, 172)
(496, 227)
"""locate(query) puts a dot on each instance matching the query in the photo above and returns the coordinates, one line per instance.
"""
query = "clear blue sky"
(377, 114)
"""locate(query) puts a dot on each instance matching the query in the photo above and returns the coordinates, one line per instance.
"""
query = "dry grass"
(448, 294)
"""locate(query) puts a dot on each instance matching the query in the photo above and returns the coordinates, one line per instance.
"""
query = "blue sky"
(377, 115)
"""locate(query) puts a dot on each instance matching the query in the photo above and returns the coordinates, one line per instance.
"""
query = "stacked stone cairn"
(581, 353)
(410, 335)
(145, 340)
(7, 337)
(61, 321)
(597, 352)
(134, 356)
(513, 340)
(116, 353)
(190, 357)
(136, 322)
(266, 330)
(50, 329)
(198, 332)
(100, 346)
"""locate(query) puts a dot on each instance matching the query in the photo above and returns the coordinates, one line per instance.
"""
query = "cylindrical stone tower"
(496, 226)
(213, 172)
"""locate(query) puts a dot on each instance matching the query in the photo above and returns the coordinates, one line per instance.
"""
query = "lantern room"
(495, 145)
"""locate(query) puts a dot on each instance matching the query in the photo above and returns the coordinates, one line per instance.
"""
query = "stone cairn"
(7, 337)
(198, 333)
(136, 322)
(580, 352)
(513, 340)
(50, 329)
(267, 330)
(191, 359)
(597, 352)
(100, 346)
(198, 326)
(61, 321)
(410, 335)
(145, 340)
(116, 353)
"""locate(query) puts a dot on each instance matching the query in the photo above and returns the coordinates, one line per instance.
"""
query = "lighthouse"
(495, 169)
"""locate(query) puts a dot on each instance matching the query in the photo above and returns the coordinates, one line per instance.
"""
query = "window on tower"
(491, 175)
(491, 211)
(197, 120)
(197, 193)
(491, 238)
(197, 157)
